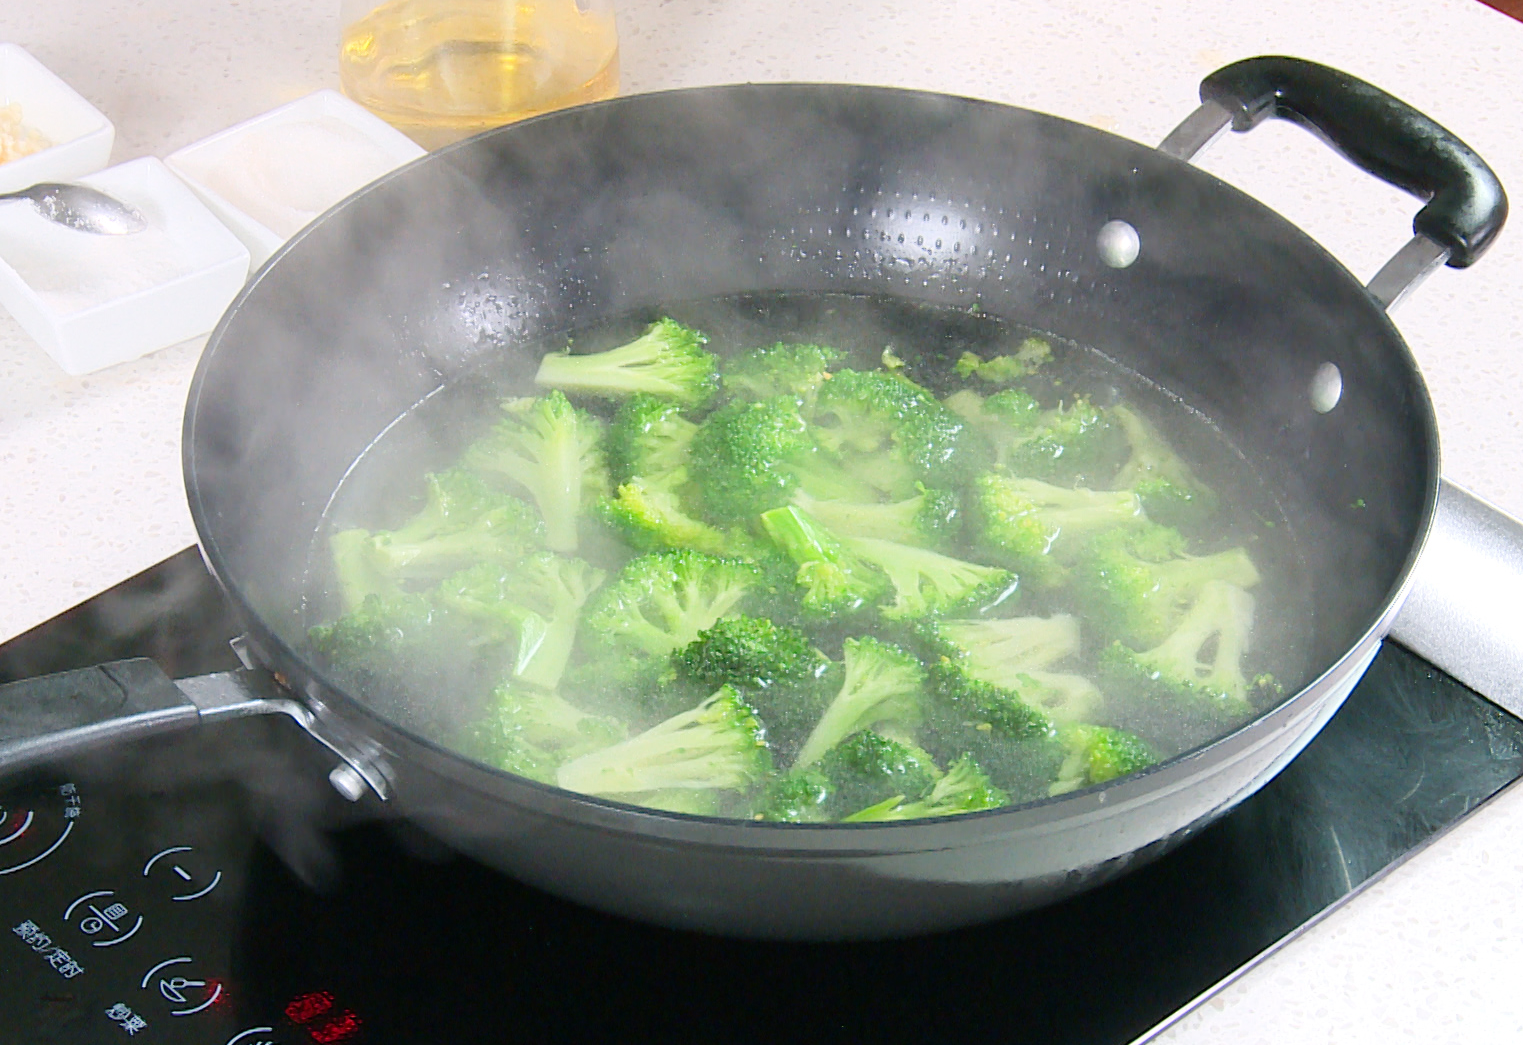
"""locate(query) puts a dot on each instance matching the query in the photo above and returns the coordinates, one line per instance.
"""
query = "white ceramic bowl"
(268, 177)
(92, 301)
(80, 134)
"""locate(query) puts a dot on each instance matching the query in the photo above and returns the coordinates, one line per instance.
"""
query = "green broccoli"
(1096, 754)
(660, 602)
(927, 583)
(530, 732)
(1169, 491)
(742, 458)
(883, 684)
(652, 518)
(668, 360)
(965, 788)
(1184, 670)
(1037, 529)
(930, 519)
(775, 668)
(717, 746)
(890, 432)
(999, 649)
(536, 605)
(463, 521)
(798, 797)
(649, 440)
(993, 671)
(552, 450)
(751, 653)
(961, 698)
(1134, 586)
(835, 580)
(400, 647)
(1074, 444)
(796, 370)
(867, 767)
(1029, 356)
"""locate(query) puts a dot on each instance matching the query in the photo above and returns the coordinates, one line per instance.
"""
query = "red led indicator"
(304, 1008)
(340, 1029)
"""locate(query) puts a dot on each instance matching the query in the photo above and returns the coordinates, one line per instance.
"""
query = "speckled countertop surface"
(90, 488)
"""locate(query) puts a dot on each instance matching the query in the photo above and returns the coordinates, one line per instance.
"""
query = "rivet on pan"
(1119, 244)
(1326, 388)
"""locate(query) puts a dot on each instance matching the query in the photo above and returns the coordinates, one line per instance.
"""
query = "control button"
(253, 1036)
(179, 986)
(109, 920)
(195, 882)
(34, 824)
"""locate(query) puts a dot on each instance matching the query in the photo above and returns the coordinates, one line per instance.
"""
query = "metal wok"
(564, 220)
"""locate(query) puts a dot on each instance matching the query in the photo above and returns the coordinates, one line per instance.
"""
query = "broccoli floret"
(1184, 671)
(740, 457)
(867, 767)
(660, 602)
(1037, 529)
(536, 605)
(1169, 491)
(1006, 420)
(652, 518)
(927, 583)
(552, 450)
(931, 519)
(992, 671)
(1135, 586)
(1074, 444)
(668, 360)
(719, 745)
(782, 369)
(891, 432)
(649, 440)
(835, 581)
(962, 698)
(799, 797)
(883, 684)
(751, 653)
(965, 788)
(377, 633)
(1029, 357)
(529, 732)
(1096, 754)
(463, 521)
(775, 668)
(999, 650)
(400, 647)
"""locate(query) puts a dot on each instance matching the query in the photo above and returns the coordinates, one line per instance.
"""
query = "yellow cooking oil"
(441, 70)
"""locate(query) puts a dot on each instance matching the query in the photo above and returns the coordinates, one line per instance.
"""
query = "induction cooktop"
(211, 888)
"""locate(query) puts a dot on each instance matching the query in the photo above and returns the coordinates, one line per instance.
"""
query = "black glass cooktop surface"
(212, 889)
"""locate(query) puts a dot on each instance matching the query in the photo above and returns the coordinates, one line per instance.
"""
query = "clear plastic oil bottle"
(441, 70)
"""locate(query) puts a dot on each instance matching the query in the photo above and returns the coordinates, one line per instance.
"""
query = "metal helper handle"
(51, 717)
(1462, 613)
(1465, 205)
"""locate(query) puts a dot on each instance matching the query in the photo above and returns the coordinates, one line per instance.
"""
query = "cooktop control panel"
(119, 916)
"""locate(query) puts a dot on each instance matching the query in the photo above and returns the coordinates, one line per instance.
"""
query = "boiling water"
(440, 70)
(385, 485)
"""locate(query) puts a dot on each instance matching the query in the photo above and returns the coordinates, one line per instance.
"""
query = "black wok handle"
(46, 718)
(1379, 133)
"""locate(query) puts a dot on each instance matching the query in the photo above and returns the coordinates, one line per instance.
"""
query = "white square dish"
(92, 301)
(269, 176)
(80, 136)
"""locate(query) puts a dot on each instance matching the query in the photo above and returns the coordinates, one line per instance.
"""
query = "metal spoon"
(80, 207)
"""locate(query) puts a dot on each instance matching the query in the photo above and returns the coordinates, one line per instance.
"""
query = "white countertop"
(90, 488)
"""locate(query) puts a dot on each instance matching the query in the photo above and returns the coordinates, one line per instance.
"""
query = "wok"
(562, 221)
